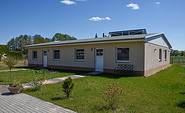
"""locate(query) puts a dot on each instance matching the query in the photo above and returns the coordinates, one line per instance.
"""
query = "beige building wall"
(67, 55)
(37, 60)
(152, 63)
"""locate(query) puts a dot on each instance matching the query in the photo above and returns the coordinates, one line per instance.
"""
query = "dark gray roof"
(95, 40)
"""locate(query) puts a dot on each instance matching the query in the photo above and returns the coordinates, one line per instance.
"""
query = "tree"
(4, 49)
(37, 39)
(96, 36)
(68, 86)
(62, 37)
(18, 43)
(47, 40)
(10, 62)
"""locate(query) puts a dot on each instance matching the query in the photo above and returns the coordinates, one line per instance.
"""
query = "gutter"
(87, 42)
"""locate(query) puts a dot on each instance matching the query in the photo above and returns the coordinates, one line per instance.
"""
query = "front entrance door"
(99, 60)
(45, 59)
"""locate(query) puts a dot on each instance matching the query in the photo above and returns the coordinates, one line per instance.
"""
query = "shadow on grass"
(181, 104)
(183, 93)
(112, 76)
(59, 98)
(58, 70)
(25, 67)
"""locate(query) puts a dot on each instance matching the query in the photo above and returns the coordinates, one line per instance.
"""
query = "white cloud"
(81, 0)
(107, 18)
(158, 3)
(68, 2)
(133, 6)
(99, 19)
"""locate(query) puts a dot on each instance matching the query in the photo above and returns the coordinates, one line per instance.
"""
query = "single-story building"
(148, 53)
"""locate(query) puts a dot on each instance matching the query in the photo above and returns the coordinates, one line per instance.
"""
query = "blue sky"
(85, 18)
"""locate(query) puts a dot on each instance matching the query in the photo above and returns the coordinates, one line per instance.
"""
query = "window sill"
(119, 61)
(79, 60)
(56, 59)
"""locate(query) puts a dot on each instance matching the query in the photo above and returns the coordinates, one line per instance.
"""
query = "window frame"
(33, 56)
(126, 61)
(54, 54)
(76, 55)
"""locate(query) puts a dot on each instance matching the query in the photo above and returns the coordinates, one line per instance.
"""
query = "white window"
(160, 55)
(122, 54)
(56, 54)
(34, 54)
(79, 54)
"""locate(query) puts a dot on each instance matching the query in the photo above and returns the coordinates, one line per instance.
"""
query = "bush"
(112, 95)
(68, 86)
(37, 81)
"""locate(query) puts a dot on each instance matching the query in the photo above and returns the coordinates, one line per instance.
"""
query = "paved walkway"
(12, 70)
(23, 103)
(60, 79)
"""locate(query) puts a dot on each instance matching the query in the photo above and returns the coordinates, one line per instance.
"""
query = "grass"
(162, 92)
(26, 76)
(177, 59)
(20, 65)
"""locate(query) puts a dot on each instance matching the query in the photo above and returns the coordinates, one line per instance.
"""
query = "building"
(148, 53)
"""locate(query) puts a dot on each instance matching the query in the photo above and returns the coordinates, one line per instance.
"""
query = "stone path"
(23, 103)
(60, 79)
(12, 70)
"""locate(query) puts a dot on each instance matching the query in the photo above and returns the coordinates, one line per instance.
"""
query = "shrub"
(37, 81)
(112, 95)
(15, 84)
(68, 86)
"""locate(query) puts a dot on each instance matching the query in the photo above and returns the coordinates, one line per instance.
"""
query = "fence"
(177, 59)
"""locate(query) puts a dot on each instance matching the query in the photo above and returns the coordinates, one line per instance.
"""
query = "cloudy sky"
(85, 18)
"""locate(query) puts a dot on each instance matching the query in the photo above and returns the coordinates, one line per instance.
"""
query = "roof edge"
(150, 36)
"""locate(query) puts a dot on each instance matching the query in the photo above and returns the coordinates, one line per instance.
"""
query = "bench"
(124, 67)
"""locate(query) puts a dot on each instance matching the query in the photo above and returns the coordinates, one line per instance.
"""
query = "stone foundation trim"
(155, 70)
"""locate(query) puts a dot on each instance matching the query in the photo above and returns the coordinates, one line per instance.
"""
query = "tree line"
(18, 43)
(177, 53)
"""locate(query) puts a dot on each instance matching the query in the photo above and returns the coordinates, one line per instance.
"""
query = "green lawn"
(20, 65)
(162, 92)
(26, 76)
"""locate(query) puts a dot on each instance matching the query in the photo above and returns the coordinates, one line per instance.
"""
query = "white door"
(99, 60)
(45, 59)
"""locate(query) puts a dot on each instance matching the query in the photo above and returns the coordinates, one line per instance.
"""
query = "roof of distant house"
(126, 38)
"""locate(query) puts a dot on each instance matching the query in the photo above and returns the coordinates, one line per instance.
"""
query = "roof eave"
(89, 42)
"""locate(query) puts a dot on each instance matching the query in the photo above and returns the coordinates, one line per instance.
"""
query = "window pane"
(160, 54)
(165, 55)
(80, 54)
(123, 54)
(99, 52)
(56, 54)
(34, 54)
